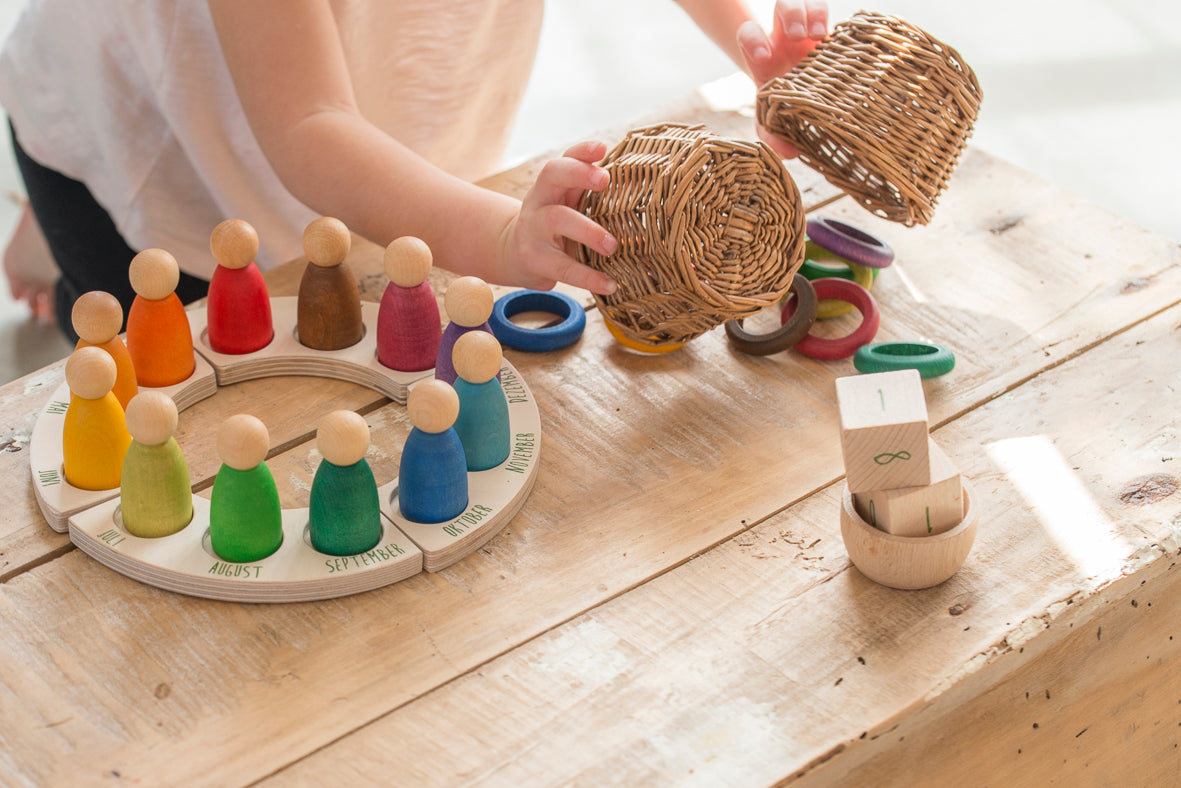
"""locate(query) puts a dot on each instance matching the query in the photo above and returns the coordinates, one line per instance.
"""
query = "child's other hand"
(534, 244)
(798, 26)
(30, 269)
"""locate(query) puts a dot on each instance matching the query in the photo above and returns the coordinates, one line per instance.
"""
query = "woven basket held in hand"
(709, 229)
(880, 109)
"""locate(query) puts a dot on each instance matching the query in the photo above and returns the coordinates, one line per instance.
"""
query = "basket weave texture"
(709, 229)
(881, 109)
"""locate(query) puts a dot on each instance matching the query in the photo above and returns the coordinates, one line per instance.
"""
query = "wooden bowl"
(907, 562)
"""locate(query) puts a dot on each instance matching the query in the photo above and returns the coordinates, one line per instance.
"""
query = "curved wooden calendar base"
(186, 563)
(59, 499)
(285, 355)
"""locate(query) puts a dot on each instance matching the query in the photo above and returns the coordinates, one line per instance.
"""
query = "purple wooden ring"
(849, 242)
(788, 333)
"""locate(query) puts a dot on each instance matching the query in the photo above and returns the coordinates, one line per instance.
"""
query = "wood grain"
(770, 658)
(675, 584)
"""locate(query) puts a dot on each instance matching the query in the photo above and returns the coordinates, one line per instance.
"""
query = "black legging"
(89, 251)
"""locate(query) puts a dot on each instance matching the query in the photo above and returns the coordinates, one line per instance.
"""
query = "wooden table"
(674, 604)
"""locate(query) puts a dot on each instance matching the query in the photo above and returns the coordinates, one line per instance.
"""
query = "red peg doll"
(239, 306)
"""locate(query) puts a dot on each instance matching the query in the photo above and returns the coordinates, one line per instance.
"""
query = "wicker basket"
(881, 109)
(709, 229)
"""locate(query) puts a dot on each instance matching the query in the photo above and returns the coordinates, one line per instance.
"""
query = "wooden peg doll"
(328, 311)
(239, 306)
(345, 513)
(158, 334)
(408, 324)
(97, 318)
(245, 519)
(468, 302)
(432, 478)
(94, 433)
(483, 423)
(156, 495)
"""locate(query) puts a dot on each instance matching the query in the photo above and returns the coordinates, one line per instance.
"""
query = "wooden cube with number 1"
(884, 430)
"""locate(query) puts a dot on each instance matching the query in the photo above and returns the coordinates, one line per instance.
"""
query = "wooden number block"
(917, 511)
(884, 430)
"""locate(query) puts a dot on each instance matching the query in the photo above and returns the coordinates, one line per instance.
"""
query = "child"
(173, 115)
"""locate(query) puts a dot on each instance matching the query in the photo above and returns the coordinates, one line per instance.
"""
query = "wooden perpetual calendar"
(188, 560)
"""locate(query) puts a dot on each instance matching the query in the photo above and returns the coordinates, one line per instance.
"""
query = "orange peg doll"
(94, 433)
(97, 318)
(158, 334)
(239, 306)
(328, 312)
(408, 324)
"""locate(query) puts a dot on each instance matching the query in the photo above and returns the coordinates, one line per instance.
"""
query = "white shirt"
(133, 98)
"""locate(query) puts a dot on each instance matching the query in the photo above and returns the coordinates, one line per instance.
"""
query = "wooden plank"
(638, 475)
(26, 542)
(1052, 653)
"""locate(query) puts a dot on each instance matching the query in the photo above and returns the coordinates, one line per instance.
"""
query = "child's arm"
(292, 80)
(798, 25)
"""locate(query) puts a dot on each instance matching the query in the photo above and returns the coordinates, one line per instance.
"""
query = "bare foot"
(30, 268)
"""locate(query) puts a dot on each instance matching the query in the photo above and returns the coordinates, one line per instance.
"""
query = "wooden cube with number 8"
(884, 430)
(917, 511)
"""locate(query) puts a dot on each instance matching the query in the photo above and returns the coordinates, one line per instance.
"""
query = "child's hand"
(798, 26)
(534, 244)
(30, 268)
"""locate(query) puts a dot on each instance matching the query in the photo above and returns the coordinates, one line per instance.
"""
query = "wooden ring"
(631, 344)
(537, 340)
(849, 242)
(823, 266)
(842, 347)
(929, 359)
(862, 275)
(789, 332)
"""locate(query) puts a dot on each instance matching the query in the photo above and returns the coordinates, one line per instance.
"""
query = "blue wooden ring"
(929, 359)
(849, 242)
(537, 340)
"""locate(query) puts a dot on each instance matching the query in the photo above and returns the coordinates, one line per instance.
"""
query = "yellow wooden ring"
(831, 307)
(631, 344)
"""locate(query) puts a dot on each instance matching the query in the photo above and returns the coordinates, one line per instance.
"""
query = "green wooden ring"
(929, 359)
(825, 267)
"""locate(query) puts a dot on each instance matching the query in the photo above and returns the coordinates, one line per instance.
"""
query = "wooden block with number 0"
(917, 511)
(884, 430)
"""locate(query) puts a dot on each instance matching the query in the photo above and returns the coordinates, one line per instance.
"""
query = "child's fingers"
(792, 18)
(783, 148)
(756, 49)
(817, 22)
(589, 151)
(560, 178)
(562, 268)
(563, 222)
